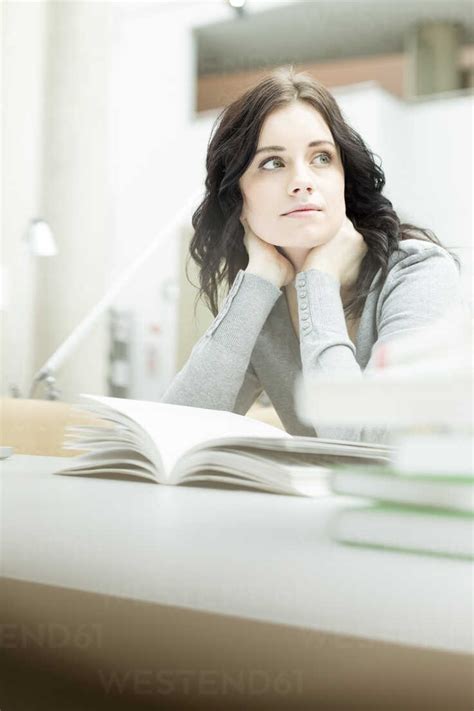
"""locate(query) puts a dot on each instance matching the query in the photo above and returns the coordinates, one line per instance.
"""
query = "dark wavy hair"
(217, 245)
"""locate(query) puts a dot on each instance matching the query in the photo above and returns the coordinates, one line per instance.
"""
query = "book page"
(175, 429)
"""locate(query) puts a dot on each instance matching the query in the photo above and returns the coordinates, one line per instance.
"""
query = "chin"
(302, 242)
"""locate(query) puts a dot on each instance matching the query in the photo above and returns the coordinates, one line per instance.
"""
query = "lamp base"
(52, 391)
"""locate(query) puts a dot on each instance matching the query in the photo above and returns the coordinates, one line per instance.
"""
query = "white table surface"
(244, 553)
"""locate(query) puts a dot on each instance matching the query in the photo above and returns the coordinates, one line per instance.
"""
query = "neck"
(296, 255)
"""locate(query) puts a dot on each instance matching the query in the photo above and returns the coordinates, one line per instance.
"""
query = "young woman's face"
(291, 173)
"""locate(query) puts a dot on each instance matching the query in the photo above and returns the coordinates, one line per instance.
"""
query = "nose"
(301, 184)
(301, 190)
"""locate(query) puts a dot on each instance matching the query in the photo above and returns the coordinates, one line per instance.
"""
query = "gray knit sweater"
(251, 345)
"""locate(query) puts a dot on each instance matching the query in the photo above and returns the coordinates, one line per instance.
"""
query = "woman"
(319, 267)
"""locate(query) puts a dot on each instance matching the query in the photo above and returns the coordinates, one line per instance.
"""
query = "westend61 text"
(202, 682)
(50, 635)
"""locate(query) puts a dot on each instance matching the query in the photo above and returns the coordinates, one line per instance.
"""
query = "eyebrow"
(282, 148)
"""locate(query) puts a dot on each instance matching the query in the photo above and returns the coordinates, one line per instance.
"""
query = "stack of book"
(421, 392)
(423, 502)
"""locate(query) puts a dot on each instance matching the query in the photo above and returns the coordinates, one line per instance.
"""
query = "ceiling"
(320, 30)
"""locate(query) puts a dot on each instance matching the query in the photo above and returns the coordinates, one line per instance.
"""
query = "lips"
(305, 208)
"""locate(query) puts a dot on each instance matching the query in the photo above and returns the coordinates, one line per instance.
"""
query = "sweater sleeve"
(218, 374)
(418, 290)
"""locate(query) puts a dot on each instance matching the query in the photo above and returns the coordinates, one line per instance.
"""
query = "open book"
(175, 444)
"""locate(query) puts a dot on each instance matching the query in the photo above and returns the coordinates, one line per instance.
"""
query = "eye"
(327, 159)
(270, 160)
(325, 155)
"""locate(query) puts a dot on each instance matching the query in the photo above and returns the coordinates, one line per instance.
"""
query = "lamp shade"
(40, 239)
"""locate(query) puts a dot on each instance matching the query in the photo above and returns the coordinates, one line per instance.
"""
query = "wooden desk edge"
(89, 635)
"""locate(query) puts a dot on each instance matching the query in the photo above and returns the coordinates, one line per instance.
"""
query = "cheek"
(336, 201)
(258, 193)
(261, 204)
(341, 205)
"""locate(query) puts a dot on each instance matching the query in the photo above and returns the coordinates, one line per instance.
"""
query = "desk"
(206, 579)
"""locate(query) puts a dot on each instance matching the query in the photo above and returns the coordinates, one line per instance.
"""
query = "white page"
(177, 428)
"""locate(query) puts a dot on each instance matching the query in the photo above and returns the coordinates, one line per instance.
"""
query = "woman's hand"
(341, 256)
(265, 260)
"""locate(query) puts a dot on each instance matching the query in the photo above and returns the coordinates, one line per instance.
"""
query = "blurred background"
(107, 108)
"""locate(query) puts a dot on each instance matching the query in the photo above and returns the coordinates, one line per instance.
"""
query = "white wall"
(55, 167)
(75, 189)
(441, 133)
(23, 87)
(426, 151)
(158, 159)
(103, 92)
